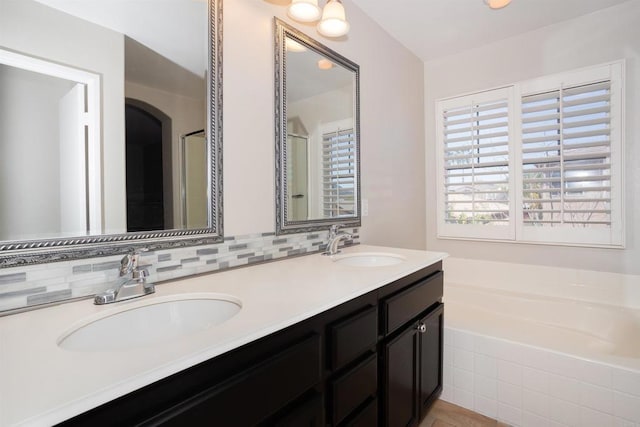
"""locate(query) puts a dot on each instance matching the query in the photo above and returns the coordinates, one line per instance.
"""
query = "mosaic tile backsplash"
(23, 287)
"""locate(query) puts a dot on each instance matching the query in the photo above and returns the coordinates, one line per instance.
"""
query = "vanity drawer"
(308, 414)
(253, 395)
(398, 309)
(367, 417)
(352, 337)
(353, 388)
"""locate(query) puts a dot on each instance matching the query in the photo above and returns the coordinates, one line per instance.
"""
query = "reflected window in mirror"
(317, 135)
(96, 99)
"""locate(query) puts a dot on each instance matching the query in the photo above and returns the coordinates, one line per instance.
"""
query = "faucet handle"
(126, 264)
(334, 229)
(129, 262)
(135, 256)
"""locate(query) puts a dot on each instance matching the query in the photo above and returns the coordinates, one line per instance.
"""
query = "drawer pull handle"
(421, 327)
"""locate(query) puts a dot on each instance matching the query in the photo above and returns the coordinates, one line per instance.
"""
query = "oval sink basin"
(364, 259)
(161, 320)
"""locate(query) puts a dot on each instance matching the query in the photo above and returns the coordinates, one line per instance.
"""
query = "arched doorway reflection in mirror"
(149, 167)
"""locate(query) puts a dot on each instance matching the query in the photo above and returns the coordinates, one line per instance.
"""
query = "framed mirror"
(110, 127)
(317, 135)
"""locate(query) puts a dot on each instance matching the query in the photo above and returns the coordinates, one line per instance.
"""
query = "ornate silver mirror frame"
(25, 252)
(284, 223)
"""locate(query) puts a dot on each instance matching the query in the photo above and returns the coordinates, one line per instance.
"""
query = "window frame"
(516, 231)
(474, 231)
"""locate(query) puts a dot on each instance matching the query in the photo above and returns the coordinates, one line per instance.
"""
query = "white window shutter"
(475, 179)
(571, 161)
(557, 179)
(338, 173)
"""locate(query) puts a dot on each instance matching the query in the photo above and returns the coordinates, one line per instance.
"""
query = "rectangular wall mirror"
(110, 127)
(317, 135)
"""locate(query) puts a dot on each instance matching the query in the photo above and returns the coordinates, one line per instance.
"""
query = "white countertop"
(42, 384)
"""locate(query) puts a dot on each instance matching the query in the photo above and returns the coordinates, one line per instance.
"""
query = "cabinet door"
(431, 357)
(401, 368)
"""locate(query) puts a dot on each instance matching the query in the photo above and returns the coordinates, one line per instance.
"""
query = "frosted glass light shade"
(334, 22)
(304, 10)
(497, 4)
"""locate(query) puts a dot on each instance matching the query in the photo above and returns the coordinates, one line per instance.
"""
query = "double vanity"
(350, 339)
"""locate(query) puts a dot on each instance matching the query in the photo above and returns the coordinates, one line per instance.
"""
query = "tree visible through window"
(476, 155)
(566, 157)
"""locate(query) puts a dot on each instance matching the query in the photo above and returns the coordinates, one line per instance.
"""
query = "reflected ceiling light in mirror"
(334, 22)
(294, 46)
(325, 64)
(304, 10)
(497, 4)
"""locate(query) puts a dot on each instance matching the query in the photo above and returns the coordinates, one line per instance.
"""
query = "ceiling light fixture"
(497, 4)
(333, 21)
(304, 10)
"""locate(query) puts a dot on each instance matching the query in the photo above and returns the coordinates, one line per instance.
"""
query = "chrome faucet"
(335, 238)
(131, 284)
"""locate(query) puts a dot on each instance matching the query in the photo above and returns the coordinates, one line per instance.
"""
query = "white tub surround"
(542, 346)
(42, 384)
(619, 290)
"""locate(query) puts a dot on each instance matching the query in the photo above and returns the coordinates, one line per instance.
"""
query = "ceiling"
(433, 29)
(175, 29)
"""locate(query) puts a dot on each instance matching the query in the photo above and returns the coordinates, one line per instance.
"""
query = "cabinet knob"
(421, 327)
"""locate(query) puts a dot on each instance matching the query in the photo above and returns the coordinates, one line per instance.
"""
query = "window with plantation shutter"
(338, 173)
(566, 157)
(476, 176)
(565, 185)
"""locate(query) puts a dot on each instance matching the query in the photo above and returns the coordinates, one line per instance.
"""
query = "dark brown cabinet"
(353, 336)
(374, 360)
(297, 369)
(411, 351)
(401, 366)
(412, 368)
(430, 357)
(310, 413)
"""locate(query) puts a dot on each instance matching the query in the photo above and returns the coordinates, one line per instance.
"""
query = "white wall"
(391, 113)
(33, 29)
(606, 35)
(29, 155)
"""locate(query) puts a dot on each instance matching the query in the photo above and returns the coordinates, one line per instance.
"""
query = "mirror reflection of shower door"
(298, 177)
(194, 180)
